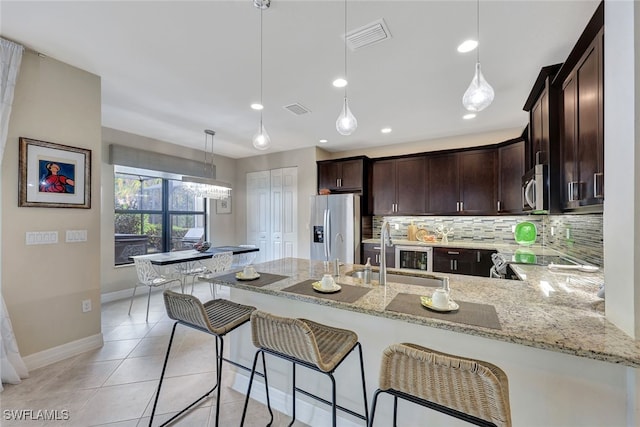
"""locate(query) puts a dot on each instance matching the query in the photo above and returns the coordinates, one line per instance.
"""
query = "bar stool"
(318, 347)
(467, 389)
(216, 317)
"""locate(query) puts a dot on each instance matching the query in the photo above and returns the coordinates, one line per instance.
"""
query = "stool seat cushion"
(320, 345)
(470, 386)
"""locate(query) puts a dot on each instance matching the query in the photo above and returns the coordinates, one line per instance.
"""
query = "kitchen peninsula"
(567, 365)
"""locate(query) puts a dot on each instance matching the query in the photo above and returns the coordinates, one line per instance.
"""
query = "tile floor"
(115, 385)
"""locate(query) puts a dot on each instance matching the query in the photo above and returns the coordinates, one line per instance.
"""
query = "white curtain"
(12, 368)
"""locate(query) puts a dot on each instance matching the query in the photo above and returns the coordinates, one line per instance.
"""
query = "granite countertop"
(467, 244)
(556, 311)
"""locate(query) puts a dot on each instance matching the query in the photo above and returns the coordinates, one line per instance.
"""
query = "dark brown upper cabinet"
(582, 113)
(544, 127)
(462, 182)
(344, 175)
(399, 186)
(582, 132)
(511, 167)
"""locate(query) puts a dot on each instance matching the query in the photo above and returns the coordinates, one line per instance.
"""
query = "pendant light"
(479, 94)
(207, 186)
(346, 123)
(261, 140)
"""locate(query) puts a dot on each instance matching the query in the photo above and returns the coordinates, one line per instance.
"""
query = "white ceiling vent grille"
(297, 109)
(372, 33)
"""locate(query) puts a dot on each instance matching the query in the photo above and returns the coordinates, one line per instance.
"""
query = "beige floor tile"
(154, 346)
(111, 350)
(117, 403)
(124, 332)
(198, 417)
(178, 393)
(136, 370)
(83, 375)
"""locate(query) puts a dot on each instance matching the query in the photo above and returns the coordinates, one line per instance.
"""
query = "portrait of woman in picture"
(57, 177)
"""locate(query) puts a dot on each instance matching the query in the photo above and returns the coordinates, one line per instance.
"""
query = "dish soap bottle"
(367, 272)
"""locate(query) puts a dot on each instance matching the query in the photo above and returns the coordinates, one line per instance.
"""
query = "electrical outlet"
(396, 226)
(86, 305)
(553, 231)
(568, 233)
(513, 228)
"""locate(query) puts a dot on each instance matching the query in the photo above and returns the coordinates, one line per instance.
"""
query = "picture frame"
(223, 206)
(53, 175)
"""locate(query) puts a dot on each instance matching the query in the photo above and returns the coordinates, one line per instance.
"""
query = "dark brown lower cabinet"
(372, 250)
(472, 262)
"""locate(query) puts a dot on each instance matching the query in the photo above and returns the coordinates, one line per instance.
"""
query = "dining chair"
(217, 264)
(242, 260)
(148, 276)
(190, 269)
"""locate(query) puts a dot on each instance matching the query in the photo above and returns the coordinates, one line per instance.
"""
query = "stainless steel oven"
(414, 258)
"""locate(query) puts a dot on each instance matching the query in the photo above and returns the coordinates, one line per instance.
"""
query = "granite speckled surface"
(556, 311)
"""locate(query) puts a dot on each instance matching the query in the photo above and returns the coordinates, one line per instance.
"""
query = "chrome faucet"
(336, 261)
(385, 240)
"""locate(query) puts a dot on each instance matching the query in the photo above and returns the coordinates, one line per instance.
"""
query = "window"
(155, 214)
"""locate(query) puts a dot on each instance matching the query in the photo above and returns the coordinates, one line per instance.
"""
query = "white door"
(272, 213)
(290, 212)
(276, 221)
(258, 207)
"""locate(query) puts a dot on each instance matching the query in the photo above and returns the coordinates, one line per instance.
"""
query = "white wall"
(305, 160)
(622, 164)
(44, 285)
(223, 226)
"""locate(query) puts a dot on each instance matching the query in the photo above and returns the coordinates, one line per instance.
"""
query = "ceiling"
(171, 69)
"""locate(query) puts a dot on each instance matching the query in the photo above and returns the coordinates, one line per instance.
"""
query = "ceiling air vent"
(297, 109)
(372, 33)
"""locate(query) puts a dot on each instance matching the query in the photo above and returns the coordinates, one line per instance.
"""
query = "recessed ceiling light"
(467, 46)
(385, 130)
(257, 106)
(469, 116)
(339, 82)
(323, 141)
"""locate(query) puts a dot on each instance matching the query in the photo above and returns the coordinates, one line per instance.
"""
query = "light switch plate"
(73, 236)
(41, 237)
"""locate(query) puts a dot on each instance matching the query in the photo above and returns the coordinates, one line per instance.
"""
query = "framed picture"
(53, 175)
(223, 206)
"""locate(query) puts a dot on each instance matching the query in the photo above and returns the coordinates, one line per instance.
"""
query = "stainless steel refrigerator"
(335, 228)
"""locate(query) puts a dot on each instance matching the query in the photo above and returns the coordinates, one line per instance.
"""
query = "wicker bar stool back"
(313, 345)
(216, 317)
(468, 389)
(148, 276)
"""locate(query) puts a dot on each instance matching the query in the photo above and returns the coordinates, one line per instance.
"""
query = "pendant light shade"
(346, 123)
(479, 94)
(261, 140)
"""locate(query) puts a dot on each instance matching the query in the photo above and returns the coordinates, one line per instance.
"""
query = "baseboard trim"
(118, 295)
(61, 352)
(305, 412)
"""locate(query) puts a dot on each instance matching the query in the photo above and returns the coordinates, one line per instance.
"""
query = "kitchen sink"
(430, 281)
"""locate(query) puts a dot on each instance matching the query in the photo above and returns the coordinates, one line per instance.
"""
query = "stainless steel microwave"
(535, 190)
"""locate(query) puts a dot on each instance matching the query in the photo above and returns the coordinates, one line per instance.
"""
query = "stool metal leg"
(395, 411)
(293, 394)
(364, 386)
(164, 368)
(333, 400)
(373, 407)
(266, 385)
(219, 380)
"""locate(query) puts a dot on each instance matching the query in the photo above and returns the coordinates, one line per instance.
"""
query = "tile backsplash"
(579, 236)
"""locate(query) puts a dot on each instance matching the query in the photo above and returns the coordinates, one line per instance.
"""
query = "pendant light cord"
(478, 30)
(345, 49)
(261, 10)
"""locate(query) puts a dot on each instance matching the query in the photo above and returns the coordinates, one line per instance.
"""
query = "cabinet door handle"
(461, 206)
(455, 265)
(457, 206)
(573, 194)
(498, 205)
(377, 248)
(453, 253)
(451, 265)
(478, 256)
(598, 176)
